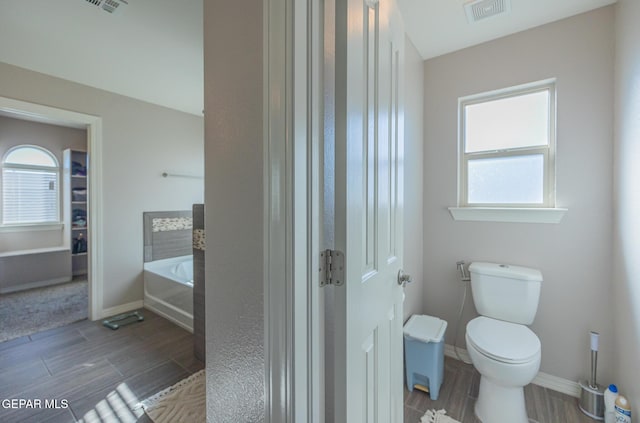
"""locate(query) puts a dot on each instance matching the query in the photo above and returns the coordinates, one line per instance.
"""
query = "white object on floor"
(183, 402)
(433, 416)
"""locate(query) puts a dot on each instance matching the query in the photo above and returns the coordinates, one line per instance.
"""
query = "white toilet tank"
(505, 292)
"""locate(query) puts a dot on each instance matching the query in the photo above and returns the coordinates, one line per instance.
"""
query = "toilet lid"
(503, 341)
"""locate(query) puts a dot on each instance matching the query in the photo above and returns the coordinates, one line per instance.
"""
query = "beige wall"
(626, 280)
(413, 187)
(140, 141)
(55, 139)
(574, 255)
(52, 137)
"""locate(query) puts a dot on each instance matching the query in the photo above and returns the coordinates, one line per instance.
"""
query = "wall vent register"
(108, 5)
(478, 10)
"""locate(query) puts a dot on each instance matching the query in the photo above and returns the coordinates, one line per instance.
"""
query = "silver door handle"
(403, 278)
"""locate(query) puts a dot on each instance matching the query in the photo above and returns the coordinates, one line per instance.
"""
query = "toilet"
(502, 348)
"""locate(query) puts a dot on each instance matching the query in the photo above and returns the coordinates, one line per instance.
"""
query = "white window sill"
(33, 251)
(507, 214)
(32, 227)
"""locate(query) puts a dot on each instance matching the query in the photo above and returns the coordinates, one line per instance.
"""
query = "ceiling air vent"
(478, 10)
(108, 5)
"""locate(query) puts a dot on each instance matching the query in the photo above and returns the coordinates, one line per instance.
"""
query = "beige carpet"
(439, 416)
(28, 312)
(183, 402)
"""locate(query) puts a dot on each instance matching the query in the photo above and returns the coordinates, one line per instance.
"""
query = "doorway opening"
(75, 238)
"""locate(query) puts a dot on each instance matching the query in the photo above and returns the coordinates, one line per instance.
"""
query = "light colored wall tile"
(171, 224)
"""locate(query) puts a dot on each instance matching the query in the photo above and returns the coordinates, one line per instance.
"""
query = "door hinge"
(331, 268)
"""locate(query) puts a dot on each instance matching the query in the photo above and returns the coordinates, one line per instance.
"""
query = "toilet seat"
(502, 341)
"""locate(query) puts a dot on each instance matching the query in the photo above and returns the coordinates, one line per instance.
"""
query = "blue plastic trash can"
(424, 352)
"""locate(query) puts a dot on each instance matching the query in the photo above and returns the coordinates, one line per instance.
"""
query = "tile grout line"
(45, 365)
(181, 366)
(82, 335)
(415, 409)
(114, 367)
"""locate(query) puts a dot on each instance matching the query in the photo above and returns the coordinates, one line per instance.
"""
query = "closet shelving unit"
(76, 208)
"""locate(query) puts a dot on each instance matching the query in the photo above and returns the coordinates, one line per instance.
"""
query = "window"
(30, 195)
(507, 148)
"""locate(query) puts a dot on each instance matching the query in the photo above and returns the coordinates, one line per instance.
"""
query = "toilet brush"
(592, 395)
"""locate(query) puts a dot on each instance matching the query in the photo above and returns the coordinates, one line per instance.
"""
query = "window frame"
(548, 151)
(4, 165)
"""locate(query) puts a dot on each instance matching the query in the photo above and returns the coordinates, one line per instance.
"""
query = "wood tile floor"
(101, 373)
(104, 373)
(460, 389)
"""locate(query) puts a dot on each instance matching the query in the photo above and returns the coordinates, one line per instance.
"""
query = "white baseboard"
(449, 351)
(558, 384)
(545, 380)
(162, 310)
(123, 308)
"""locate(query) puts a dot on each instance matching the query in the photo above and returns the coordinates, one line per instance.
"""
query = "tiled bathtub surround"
(167, 234)
(164, 224)
(198, 239)
(198, 282)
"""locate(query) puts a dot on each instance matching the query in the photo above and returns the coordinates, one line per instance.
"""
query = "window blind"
(29, 196)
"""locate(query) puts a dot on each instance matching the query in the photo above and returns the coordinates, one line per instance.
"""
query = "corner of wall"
(413, 179)
(626, 234)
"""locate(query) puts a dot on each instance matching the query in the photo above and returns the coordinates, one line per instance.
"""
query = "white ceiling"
(149, 49)
(438, 27)
(152, 49)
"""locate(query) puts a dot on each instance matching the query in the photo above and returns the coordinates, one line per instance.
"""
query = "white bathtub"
(168, 289)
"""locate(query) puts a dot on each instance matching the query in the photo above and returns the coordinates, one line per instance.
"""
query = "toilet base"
(500, 404)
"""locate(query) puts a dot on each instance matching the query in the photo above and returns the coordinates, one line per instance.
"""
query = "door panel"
(368, 219)
(370, 138)
(370, 348)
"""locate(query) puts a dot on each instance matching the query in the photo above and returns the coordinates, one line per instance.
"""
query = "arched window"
(30, 193)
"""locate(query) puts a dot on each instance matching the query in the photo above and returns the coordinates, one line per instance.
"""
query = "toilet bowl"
(503, 349)
(507, 356)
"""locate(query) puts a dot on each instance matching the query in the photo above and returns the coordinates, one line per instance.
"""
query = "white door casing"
(93, 126)
(368, 218)
(293, 124)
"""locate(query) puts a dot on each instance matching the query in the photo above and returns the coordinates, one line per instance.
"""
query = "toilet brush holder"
(591, 394)
(591, 400)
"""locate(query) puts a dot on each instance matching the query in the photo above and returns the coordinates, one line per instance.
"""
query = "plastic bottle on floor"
(623, 410)
(610, 395)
